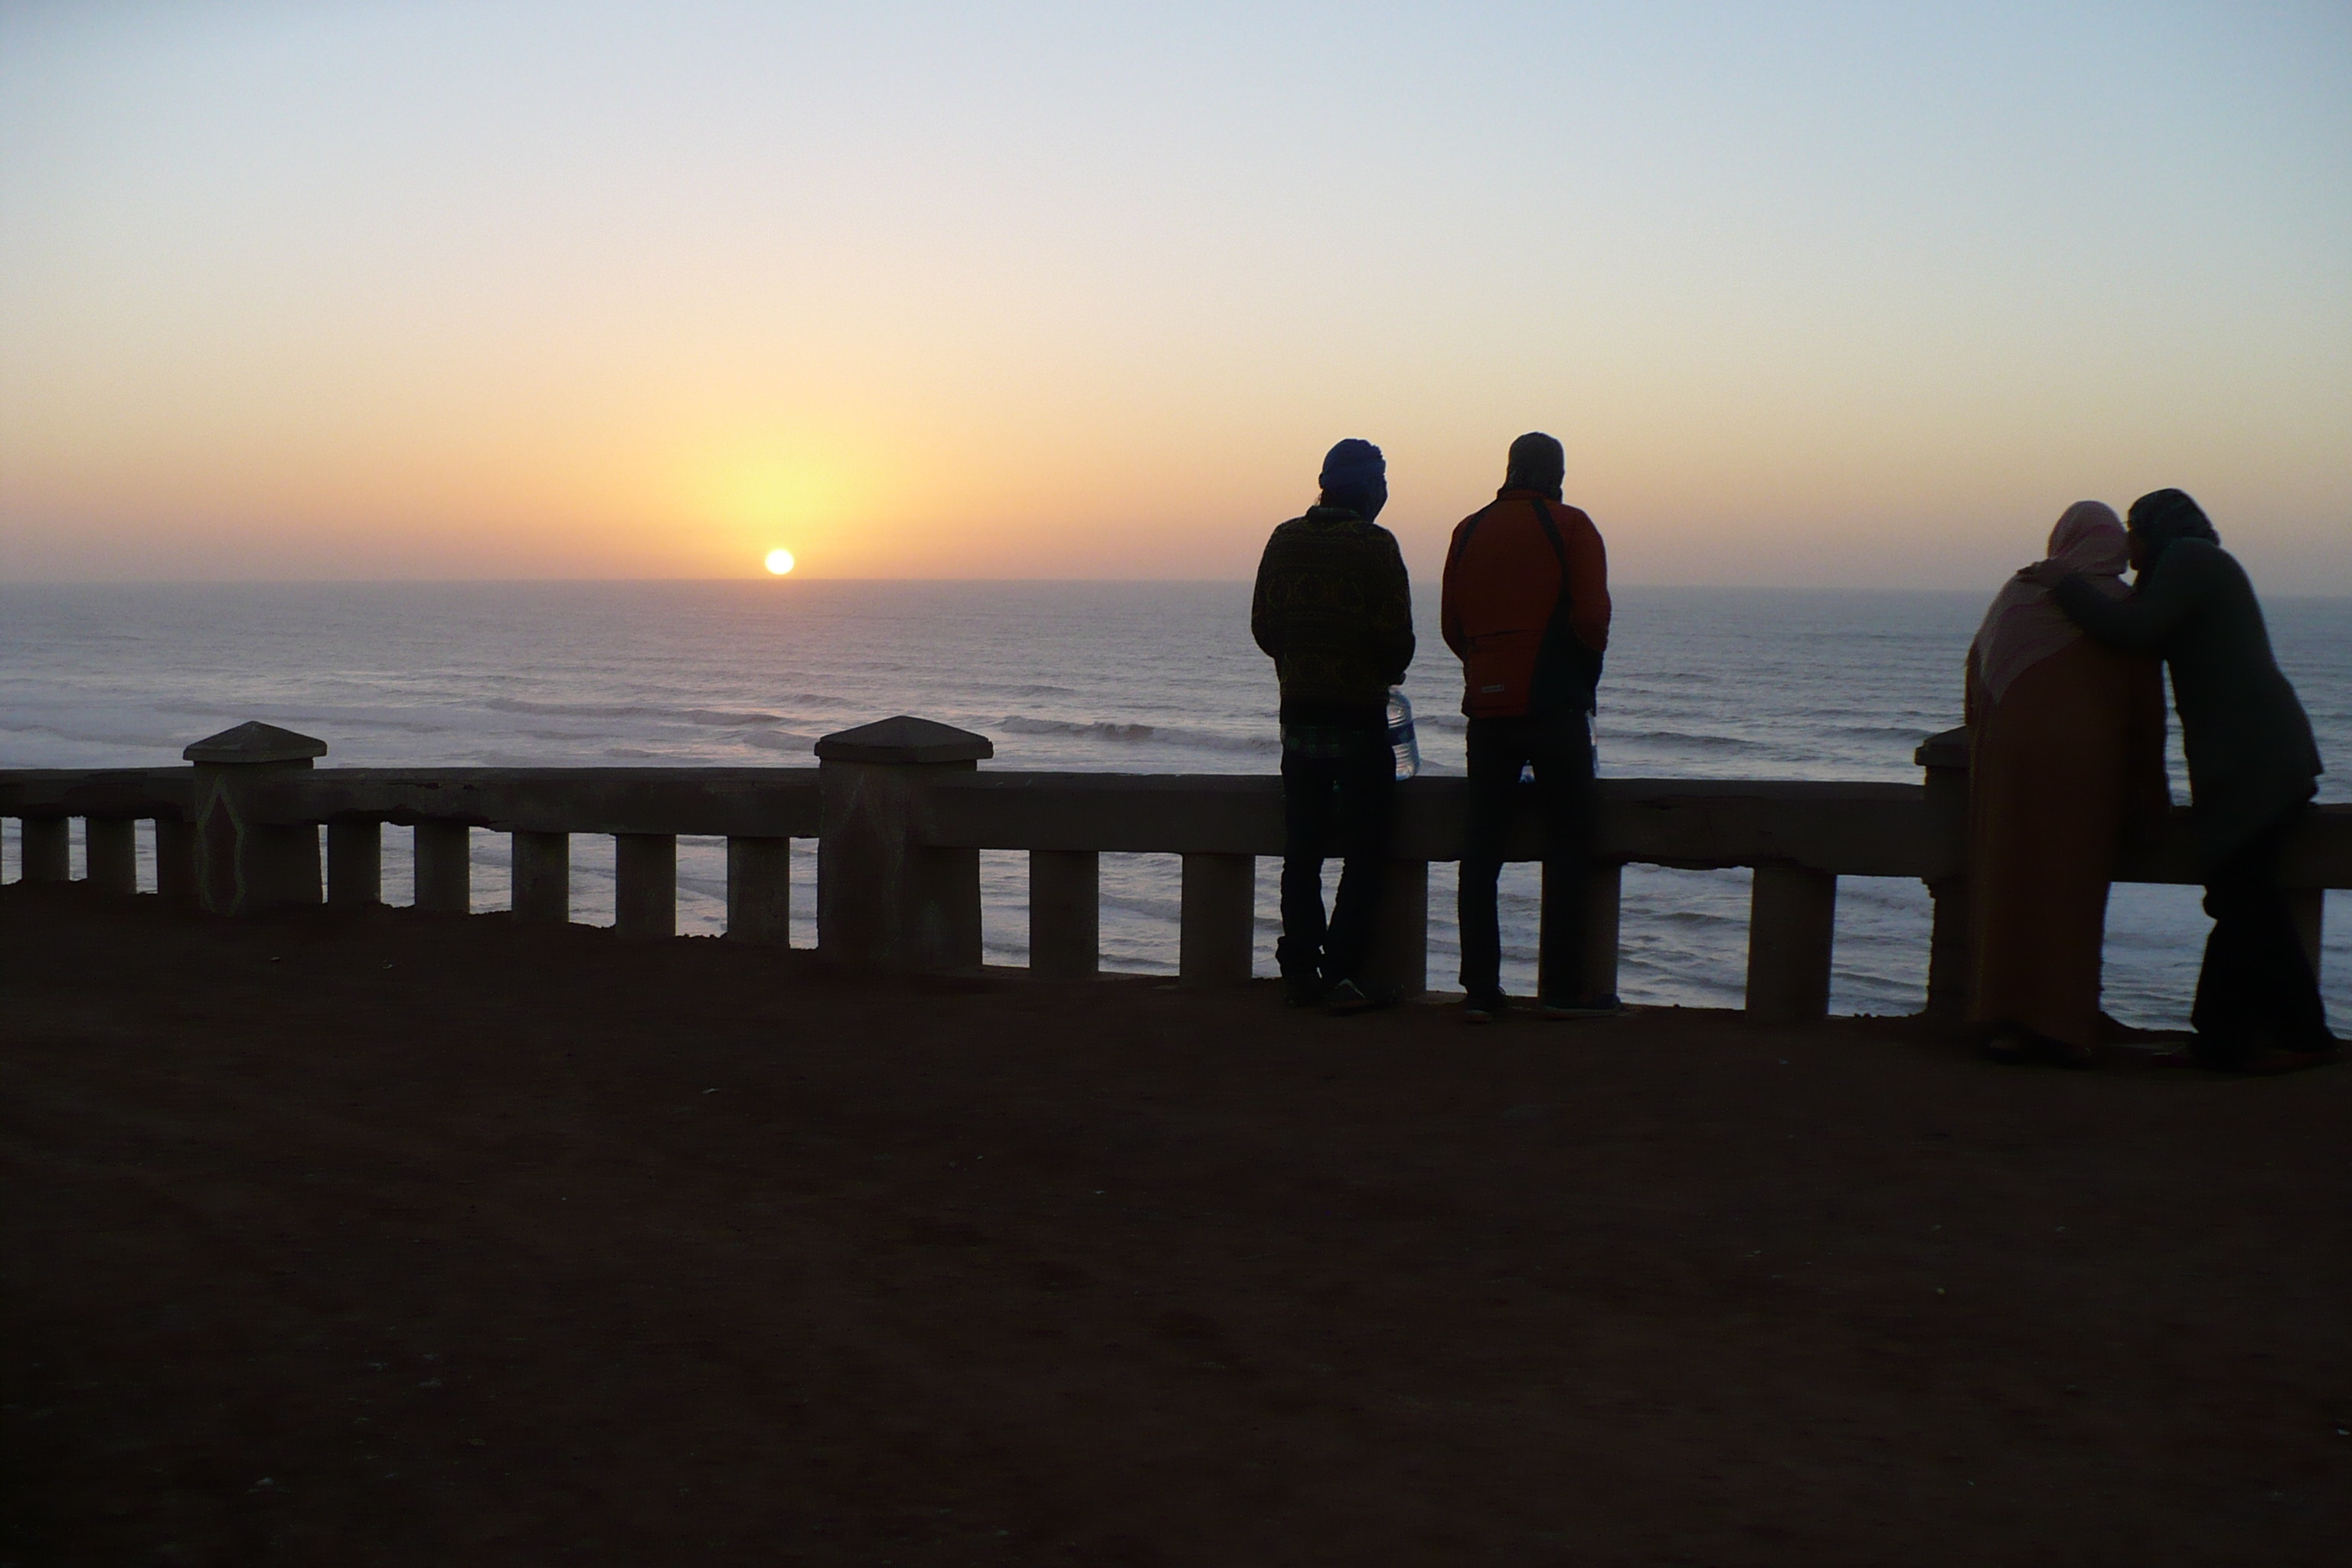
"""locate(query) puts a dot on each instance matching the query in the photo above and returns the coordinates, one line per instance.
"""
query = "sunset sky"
(1816, 294)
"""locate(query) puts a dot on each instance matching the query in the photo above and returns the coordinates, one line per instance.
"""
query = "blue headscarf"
(1356, 476)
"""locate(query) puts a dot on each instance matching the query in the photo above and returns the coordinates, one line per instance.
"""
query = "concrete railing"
(900, 815)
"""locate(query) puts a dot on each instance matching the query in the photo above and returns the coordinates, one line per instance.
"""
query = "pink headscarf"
(2023, 628)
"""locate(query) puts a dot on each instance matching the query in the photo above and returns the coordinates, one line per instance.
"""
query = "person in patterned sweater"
(1333, 608)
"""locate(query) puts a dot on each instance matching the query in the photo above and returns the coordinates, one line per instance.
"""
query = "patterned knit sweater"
(1334, 610)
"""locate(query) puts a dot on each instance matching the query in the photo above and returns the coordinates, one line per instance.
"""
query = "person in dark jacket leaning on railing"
(2252, 769)
(1334, 610)
(1527, 608)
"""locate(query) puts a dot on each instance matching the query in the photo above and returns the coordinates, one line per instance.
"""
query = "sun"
(780, 561)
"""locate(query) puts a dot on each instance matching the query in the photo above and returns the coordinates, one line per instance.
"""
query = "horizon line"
(784, 584)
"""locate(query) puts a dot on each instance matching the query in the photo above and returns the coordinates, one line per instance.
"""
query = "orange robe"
(2062, 769)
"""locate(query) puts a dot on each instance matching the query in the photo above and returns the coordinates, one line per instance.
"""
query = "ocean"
(1108, 677)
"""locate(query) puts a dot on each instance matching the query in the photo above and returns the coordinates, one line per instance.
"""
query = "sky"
(1813, 295)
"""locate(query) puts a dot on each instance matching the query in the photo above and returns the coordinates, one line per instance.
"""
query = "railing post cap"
(1945, 749)
(905, 739)
(255, 742)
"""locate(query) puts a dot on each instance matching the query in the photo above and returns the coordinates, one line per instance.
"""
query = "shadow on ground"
(389, 1239)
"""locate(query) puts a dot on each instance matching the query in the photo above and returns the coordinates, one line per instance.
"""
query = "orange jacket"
(1526, 607)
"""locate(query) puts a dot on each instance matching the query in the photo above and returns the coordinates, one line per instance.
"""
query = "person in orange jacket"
(1526, 607)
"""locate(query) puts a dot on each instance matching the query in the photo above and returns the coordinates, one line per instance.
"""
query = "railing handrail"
(1845, 828)
(718, 802)
(900, 815)
(1857, 827)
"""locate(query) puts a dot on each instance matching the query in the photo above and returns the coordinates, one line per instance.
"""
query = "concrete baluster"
(760, 891)
(48, 847)
(2308, 905)
(1602, 883)
(1217, 917)
(885, 897)
(1064, 914)
(1604, 891)
(355, 864)
(542, 877)
(110, 851)
(445, 868)
(175, 862)
(1399, 961)
(1951, 961)
(645, 898)
(1792, 920)
(243, 864)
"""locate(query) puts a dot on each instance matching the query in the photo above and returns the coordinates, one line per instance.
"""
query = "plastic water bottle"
(1401, 739)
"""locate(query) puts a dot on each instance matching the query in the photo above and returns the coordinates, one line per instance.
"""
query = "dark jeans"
(1561, 751)
(2257, 989)
(1336, 798)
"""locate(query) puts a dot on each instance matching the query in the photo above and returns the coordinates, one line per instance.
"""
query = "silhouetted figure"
(1334, 610)
(2252, 769)
(2065, 763)
(1527, 608)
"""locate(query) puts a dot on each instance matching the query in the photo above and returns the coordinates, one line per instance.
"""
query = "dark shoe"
(2014, 1045)
(2009, 1048)
(2271, 1063)
(1491, 1009)
(1595, 1004)
(1350, 997)
(2131, 1059)
(1304, 991)
(2234, 1052)
(2060, 1054)
(2114, 1032)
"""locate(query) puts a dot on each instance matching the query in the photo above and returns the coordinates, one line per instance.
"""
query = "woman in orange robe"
(2065, 763)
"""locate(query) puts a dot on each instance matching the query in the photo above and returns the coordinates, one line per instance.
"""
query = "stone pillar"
(2309, 908)
(48, 847)
(1951, 958)
(110, 849)
(1064, 914)
(886, 899)
(1217, 919)
(175, 862)
(354, 865)
(243, 865)
(1603, 882)
(1399, 961)
(542, 877)
(445, 868)
(1791, 918)
(760, 891)
(1604, 893)
(644, 895)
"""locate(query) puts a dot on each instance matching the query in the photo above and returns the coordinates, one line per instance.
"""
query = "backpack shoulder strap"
(1469, 527)
(1551, 533)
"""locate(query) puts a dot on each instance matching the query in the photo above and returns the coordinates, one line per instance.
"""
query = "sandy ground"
(397, 1240)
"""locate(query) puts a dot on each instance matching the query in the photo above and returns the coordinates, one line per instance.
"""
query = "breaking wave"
(717, 716)
(1140, 734)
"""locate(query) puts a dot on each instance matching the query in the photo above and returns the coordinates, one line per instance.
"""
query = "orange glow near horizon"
(769, 490)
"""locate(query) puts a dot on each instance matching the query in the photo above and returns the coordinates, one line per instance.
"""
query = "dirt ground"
(389, 1239)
